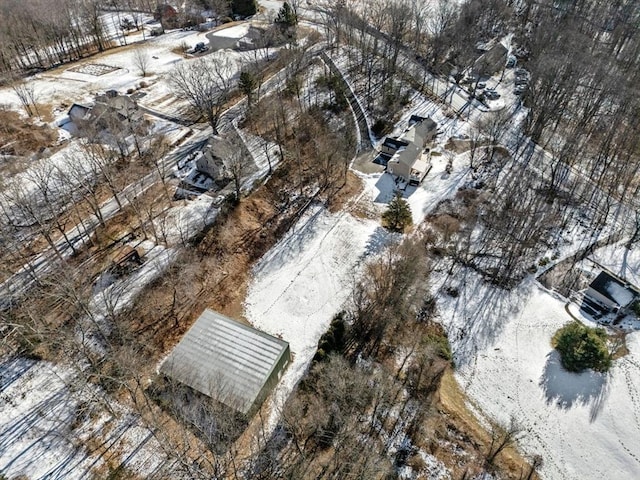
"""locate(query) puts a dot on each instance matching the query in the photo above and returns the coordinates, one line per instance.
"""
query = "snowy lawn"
(437, 186)
(584, 426)
(237, 31)
(620, 260)
(303, 281)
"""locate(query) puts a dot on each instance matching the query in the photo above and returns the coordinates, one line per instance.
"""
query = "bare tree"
(502, 438)
(206, 84)
(26, 93)
(141, 60)
(237, 162)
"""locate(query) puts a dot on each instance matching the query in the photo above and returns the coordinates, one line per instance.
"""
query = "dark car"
(491, 94)
(200, 47)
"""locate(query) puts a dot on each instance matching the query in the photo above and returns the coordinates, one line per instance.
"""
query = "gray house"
(492, 60)
(212, 161)
(611, 292)
(410, 158)
(233, 363)
(108, 109)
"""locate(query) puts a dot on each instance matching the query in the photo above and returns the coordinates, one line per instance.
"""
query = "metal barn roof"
(228, 361)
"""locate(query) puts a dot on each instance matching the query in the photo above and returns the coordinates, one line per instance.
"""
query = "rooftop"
(613, 288)
(226, 360)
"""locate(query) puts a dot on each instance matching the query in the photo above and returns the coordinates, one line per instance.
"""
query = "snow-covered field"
(584, 426)
(304, 280)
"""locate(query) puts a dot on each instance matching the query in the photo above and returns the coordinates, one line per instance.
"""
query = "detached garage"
(228, 361)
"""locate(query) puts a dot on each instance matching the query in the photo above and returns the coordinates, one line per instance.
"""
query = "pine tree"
(398, 214)
(244, 7)
(287, 16)
(581, 347)
(247, 85)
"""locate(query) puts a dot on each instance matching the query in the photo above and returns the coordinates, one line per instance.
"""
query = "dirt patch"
(466, 430)
(351, 189)
(21, 137)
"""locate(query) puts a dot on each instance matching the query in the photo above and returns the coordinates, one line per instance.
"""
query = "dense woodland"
(582, 100)
(341, 422)
(40, 34)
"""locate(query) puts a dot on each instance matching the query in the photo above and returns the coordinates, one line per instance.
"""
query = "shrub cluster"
(582, 347)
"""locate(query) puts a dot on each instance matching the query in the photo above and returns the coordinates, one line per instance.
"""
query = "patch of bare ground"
(215, 271)
(351, 189)
(464, 436)
(21, 136)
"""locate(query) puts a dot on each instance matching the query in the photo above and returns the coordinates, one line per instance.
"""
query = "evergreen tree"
(244, 7)
(398, 214)
(581, 347)
(287, 16)
(247, 85)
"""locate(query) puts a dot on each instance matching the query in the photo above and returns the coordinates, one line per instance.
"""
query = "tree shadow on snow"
(566, 389)
(480, 311)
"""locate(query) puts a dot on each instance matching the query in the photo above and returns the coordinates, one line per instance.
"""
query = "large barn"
(228, 361)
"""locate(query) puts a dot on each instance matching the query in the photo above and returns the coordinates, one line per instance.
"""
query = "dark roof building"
(228, 361)
(611, 291)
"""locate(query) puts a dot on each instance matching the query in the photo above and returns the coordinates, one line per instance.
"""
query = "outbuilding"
(232, 363)
(611, 292)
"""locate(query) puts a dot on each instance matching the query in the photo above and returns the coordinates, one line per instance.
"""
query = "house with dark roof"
(410, 158)
(611, 292)
(492, 60)
(213, 160)
(79, 113)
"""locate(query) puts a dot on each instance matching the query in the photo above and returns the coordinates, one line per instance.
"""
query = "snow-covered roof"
(614, 289)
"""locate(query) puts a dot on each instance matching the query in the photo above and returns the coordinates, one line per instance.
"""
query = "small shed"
(230, 362)
(611, 291)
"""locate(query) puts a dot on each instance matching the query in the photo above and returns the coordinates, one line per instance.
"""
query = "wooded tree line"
(582, 98)
(39, 34)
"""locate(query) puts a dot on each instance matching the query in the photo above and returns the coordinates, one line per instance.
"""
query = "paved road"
(165, 116)
(367, 139)
(448, 92)
(20, 282)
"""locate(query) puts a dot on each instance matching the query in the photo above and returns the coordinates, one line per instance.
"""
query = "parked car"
(521, 73)
(520, 89)
(511, 61)
(491, 94)
(481, 85)
(200, 47)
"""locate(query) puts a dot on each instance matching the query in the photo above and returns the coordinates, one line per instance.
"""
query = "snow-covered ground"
(54, 426)
(584, 426)
(237, 31)
(620, 260)
(39, 410)
(303, 281)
